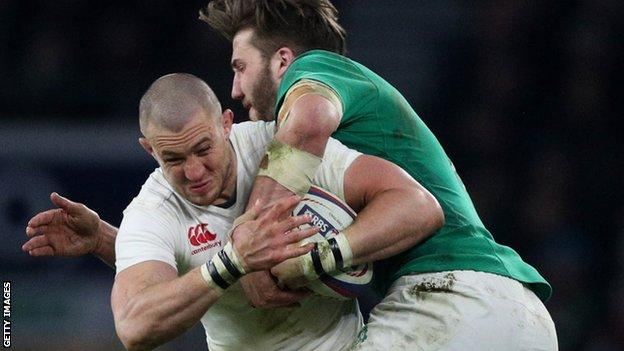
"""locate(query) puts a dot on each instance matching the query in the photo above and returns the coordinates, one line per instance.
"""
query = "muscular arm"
(394, 211)
(151, 305)
(312, 120)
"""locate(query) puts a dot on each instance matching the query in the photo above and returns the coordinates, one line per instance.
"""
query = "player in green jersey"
(458, 287)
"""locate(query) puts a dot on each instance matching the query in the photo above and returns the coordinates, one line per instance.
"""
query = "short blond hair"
(173, 99)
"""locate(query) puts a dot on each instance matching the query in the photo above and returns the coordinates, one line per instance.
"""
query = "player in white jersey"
(181, 218)
(161, 225)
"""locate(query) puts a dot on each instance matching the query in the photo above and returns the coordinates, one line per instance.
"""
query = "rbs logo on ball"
(317, 220)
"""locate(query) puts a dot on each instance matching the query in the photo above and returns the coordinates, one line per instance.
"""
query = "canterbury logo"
(199, 235)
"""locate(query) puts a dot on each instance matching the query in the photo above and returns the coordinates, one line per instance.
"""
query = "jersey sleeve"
(144, 236)
(336, 161)
(304, 87)
(343, 79)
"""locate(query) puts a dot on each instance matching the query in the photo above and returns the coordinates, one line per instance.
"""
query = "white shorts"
(458, 310)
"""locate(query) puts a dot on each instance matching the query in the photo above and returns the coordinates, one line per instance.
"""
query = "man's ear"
(147, 146)
(227, 119)
(283, 58)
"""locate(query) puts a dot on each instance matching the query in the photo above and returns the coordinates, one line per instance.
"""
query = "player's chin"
(201, 199)
(255, 116)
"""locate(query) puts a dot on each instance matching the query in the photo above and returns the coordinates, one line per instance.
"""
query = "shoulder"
(250, 139)
(312, 64)
(156, 202)
(252, 130)
(317, 57)
(335, 71)
(154, 192)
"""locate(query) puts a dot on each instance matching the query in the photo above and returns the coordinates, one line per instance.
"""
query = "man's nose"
(237, 93)
(193, 168)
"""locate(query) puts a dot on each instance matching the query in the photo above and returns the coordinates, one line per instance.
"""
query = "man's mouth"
(200, 187)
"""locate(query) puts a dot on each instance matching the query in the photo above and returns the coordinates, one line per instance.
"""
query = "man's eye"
(173, 161)
(203, 151)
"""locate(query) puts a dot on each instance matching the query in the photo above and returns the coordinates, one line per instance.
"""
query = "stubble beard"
(264, 96)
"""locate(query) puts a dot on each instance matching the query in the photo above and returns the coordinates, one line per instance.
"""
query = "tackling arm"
(395, 213)
(311, 119)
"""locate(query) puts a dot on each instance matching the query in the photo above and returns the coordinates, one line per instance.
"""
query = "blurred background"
(522, 94)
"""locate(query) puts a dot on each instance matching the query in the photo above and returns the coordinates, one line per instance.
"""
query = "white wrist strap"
(326, 257)
(224, 268)
(208, 279)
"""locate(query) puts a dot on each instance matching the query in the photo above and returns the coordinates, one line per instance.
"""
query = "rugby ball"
(331, 215)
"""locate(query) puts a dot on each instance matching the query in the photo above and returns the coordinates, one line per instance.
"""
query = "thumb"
(62, 202)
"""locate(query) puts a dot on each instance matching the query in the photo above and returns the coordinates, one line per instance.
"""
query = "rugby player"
(175, 263)
(457, 290)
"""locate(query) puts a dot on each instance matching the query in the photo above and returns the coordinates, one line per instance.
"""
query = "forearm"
(269, 190)
(105, 249)
(163, 311)
(378, 233)
(312, 119)
(152, 305)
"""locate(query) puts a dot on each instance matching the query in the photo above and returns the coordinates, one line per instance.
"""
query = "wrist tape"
(224, 268)
(327, 256)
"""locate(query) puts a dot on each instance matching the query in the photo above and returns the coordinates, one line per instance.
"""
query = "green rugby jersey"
(377, 120)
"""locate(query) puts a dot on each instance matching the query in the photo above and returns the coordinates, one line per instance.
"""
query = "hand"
(273, 237)
(68, 231)
(290, 274)
(262, 291)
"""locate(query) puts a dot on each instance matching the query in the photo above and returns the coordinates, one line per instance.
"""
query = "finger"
(42, 218)
(64, 203)
(275, 273)
(36, 242)
(293, 251)
(42, 251)
(292, 223)
(295, 236)
(287, 297)
(34, 231)
(282, 207)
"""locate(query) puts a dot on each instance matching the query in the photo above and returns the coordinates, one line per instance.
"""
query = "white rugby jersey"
(159, 224)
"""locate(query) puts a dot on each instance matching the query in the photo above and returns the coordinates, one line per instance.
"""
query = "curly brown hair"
(301, 25)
